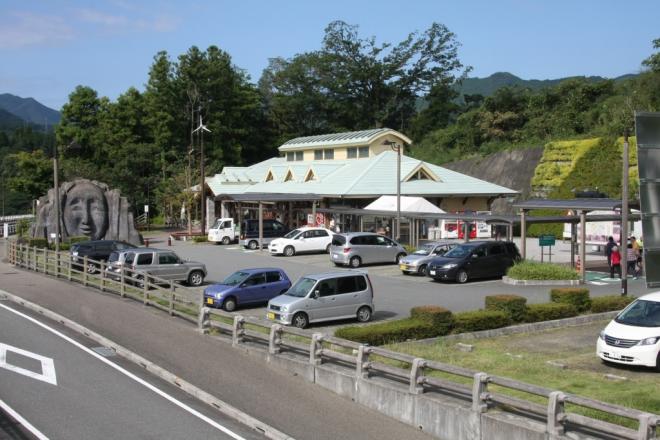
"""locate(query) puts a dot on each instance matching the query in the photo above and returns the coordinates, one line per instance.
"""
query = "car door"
(322, 240)
(253, 289)
(370, 249)
(275, 285)
(170, 267)
(305, 242)
(497, 260)
(477, 263)
(386, 250)
(348, 296)
(325, 305)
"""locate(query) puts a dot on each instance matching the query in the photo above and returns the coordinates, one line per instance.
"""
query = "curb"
(225, 408)
(514, 282)
(523, 328)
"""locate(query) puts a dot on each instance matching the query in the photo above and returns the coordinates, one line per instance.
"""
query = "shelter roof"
(362, 137)
(581, 204)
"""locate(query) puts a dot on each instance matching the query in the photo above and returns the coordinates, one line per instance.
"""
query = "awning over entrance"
(269, 197)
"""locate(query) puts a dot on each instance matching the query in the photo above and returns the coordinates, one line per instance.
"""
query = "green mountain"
(487, 86)
(29, 110)
(9, 121)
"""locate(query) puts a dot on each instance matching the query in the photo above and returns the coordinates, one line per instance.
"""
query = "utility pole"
(624, 218)
(57, 198)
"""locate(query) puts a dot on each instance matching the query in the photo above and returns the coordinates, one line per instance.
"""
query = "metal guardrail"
(366, 361)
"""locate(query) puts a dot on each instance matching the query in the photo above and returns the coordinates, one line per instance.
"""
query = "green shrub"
(22, 227)
(63, 246)
(479, 320)
(533, 270)
(38, 242)
(436, 315)
(549, 311)
(77, 239)
(576, 296)
(610, 303)
(389, 332)
(512, 305)
(200, 238)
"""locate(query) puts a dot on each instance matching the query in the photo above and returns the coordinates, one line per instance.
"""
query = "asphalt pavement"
(65, 388)
(395, 293)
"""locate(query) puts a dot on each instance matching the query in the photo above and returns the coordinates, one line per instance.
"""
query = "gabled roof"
(353, 138)
(369, 177)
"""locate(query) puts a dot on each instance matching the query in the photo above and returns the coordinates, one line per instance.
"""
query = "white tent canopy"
(408, 204)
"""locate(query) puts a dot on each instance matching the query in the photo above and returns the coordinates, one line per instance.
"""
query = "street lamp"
(397, 147)
(202, 128)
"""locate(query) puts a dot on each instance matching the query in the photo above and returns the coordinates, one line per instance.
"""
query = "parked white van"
(633, 336)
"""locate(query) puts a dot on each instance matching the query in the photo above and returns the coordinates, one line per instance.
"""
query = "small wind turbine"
(201, 129)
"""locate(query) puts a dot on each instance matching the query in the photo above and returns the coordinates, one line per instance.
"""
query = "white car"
(305, 239)
(633, 336)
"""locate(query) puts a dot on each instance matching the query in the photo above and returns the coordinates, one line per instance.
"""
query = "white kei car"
(305, 239)
(633, 336)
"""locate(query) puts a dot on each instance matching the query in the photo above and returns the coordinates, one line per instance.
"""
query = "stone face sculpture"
(87, 208)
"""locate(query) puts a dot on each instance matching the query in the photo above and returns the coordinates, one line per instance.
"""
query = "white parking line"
(27, 425)
(130, 375)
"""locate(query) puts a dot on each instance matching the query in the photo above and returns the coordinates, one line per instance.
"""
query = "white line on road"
(27, 425)
(130, 375)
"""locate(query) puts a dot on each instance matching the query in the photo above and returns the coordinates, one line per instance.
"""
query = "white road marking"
(129, 374)
(27, 425)
(47, 366)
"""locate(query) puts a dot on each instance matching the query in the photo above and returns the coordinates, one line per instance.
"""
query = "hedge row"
(501, 310)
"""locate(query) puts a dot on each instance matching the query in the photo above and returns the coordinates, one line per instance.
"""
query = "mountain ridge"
(29, 110)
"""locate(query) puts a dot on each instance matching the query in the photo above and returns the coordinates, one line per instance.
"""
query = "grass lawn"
(523, 357)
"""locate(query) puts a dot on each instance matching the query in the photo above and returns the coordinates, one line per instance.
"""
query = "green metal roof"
(363, 137)
(369, 177)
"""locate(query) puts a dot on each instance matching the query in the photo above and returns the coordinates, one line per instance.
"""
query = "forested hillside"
(142, 143)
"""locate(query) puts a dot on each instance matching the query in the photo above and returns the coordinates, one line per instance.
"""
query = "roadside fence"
(480, 391)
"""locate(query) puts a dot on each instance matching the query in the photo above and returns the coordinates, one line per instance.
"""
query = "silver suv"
(164, 264)
(358, 248)
(324, 297)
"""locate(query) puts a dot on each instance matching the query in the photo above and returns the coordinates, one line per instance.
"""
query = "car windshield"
(114, 256)
(459, 252)
(424, 250)
(293, 233)
(236, 278)
(641, 313)
(129, 258)
(301, 288)
(217, 224)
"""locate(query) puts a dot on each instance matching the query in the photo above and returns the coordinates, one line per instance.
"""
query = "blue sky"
(49, 47)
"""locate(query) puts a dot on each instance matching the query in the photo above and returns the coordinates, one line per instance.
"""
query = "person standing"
(631, 259)
(608, 251)
(616, 261)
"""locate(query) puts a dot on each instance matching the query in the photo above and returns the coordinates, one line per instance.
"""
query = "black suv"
(97, 250)
(272, 229)
(476, 259)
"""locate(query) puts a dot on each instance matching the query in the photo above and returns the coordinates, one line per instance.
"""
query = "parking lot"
(395, 293)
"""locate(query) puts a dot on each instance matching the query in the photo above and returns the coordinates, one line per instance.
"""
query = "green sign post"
(546, 240)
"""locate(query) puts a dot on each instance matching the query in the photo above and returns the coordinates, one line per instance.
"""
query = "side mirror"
(475, 256)
(316, 294)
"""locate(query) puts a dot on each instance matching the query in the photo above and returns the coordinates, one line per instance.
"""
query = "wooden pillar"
(261, 225)
(523, 234)
(583, 245)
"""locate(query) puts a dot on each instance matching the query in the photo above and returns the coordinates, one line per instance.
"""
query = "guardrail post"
(46, 260)
(275, 339)
(171, 309)
(145, 289)
(237, 330)
(69, 263)
(416, 372)
(122, 282)
(479, 387)
(57, 264)
(361, 362)
(314, 346)
(84, 271)
(202, 318)
(647, 424)
(102, 276)
(555, 413)
(36, 258)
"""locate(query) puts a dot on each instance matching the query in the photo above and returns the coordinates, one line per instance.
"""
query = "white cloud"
(121, 23)
(21, 29)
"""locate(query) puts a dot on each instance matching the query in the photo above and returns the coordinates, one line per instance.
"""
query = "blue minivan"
(247, 286)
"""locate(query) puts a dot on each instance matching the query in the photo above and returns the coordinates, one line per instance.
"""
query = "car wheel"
(364, 314)
(289, 251)
(196, 278)
(462, 276)
(90, 268)
(300, 320)
(327, 248)
(226, 240)
(423, 270)
(253, 244)
(399, 257)
(139, 281)
(229, 304)
(657, 363)
(355, 262)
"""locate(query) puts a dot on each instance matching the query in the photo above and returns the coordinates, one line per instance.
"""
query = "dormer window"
(270, 176)
(289, 176)
(310, 175)
(421, 173)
